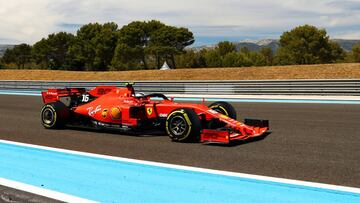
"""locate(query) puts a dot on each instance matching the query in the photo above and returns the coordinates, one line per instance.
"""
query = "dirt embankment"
(323, 71)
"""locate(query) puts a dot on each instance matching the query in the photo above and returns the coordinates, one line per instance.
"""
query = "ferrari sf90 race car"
(110, 107)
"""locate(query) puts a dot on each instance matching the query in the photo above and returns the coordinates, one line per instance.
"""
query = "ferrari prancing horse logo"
(149, 111)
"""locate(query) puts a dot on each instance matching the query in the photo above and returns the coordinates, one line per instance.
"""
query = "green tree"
(244, 58)
(169, 41)
(257, 59)
(200, 59)
(1, 63)
(225, 47)
(213, 58)
(53, 52)
(9, 56)
(191, 59)
(337, 54)
(20, 55)
(141, 42)
(307, 45)
(132, 41)
(94, 46)
(355, 53)
(248, 58)
(268, 55)
(105, 43)
(231, 59)
(127, 58)
(40, 53)
(186, 60)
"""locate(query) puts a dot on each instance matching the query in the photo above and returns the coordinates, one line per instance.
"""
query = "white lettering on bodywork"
(51, 93)
(92, 111)
(163, 115)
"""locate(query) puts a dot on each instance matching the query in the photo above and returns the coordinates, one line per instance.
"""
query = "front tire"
(224, 108)
(54, 115)
(183, 125)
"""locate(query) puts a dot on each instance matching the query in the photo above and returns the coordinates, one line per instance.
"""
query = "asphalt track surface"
(9, 195)
(311, 142)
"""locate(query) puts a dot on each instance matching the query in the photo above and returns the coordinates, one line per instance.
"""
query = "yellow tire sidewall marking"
(220, 107)
(54, 113)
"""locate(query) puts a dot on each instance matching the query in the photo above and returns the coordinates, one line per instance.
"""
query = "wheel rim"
(178, 125)
(47, 116)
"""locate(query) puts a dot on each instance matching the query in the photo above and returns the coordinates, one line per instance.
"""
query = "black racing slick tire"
(183, 125)
(224, 108)
(54, 115)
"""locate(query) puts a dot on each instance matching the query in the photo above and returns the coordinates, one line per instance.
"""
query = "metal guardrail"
(228, 87)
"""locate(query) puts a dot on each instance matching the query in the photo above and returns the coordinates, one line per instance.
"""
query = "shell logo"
(115, 113)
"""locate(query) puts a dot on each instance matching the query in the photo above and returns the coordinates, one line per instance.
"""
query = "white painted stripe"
(43, 192)
(243, 96)
(195, 169)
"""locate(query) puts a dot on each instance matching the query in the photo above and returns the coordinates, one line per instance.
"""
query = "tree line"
(148, 44)
(302, 45)
(101, 47)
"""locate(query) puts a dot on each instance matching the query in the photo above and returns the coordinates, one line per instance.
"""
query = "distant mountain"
(3, 48)
(347, 44)
(256, 45)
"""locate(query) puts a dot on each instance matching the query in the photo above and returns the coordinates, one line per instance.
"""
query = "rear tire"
(54, 115)
(183, 125)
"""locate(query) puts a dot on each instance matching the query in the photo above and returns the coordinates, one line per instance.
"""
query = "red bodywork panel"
(114, 105)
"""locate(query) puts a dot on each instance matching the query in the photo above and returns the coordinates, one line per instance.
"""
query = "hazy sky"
(30, 20)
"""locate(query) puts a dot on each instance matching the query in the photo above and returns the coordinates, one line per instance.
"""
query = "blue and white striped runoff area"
(83, 177)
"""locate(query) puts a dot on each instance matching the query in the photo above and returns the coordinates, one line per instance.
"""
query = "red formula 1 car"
(110, 107)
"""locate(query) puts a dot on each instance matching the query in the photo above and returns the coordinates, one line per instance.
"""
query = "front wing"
(250, 129)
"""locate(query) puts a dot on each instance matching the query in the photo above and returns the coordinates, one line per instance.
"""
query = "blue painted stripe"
(20, 92)
(303, 101)
(109, 180)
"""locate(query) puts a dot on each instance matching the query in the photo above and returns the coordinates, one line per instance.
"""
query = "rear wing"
(53, 95)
